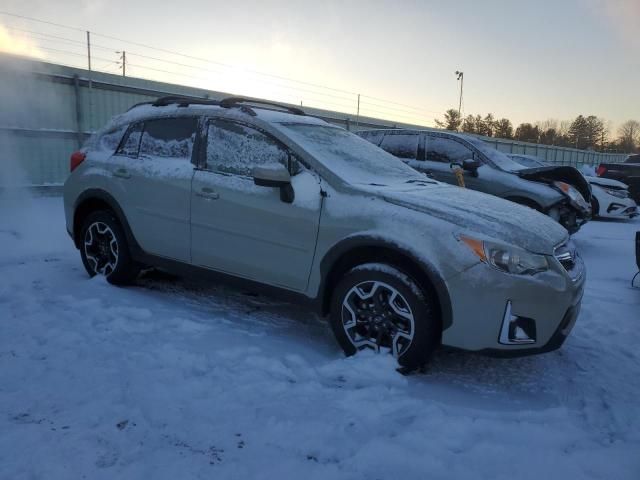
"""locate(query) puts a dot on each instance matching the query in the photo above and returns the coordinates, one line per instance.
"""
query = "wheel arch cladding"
(527, 202)
(94, 200)
(356, 251)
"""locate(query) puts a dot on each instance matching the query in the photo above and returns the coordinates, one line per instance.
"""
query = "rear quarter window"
(372, 136)
(106, 141)
(403, 145)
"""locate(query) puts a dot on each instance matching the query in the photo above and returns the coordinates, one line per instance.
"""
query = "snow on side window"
(169, 137)
(372, 136)
(446, 150)
(131, 143)
(109, 141)
(235, 148)
(401, 145)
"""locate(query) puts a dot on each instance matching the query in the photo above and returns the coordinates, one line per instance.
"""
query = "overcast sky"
(523, 60)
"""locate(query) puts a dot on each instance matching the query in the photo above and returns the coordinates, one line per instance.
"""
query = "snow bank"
(177, 379)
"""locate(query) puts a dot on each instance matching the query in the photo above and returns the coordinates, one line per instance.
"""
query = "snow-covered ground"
(177, 380)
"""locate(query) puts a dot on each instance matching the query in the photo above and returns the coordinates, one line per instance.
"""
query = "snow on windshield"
(498, 158)
(352, 158)
(527, 161)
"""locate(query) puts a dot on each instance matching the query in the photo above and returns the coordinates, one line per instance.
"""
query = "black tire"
(426, 324)
(121, 269)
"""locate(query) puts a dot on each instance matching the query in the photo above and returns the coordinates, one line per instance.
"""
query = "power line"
(418, 111)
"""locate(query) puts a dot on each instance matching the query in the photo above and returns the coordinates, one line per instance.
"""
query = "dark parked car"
(627, 172)
(560, 192)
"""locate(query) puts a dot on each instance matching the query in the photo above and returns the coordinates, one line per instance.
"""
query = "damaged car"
(560, 192)
(609, 198)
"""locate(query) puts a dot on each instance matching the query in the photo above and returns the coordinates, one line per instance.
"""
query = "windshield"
(496, 157)
(527, 162)
(353, 159)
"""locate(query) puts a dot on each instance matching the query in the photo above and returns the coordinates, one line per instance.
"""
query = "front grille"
(570, 260)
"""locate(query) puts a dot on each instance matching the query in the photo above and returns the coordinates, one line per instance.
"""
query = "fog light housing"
(516, 330)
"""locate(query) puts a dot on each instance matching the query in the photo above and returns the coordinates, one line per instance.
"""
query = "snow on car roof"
(143, 111)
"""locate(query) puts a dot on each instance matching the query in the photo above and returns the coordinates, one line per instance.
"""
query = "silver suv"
(264, 193)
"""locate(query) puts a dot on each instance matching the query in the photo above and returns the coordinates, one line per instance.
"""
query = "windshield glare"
(353, 159)
(498, 158)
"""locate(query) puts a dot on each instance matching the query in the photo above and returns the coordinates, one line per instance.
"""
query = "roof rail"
(239, 101)
(183, 101)
(180, 100)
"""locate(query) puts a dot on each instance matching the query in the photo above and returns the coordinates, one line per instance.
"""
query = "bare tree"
(629, 135)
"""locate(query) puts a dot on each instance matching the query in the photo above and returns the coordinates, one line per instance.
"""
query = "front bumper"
(571, 217)
(479, 297)
(615, 207)
(554, 343)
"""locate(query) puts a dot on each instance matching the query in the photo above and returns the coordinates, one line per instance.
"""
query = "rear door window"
(446, 150)
(401, 145)
(169, 137)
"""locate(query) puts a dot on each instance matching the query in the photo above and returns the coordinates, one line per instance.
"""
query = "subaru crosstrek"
(266, 194)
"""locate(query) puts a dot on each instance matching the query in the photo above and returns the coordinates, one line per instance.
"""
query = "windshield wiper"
(419, 180)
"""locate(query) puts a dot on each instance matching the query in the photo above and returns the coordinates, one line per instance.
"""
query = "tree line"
(584, 132)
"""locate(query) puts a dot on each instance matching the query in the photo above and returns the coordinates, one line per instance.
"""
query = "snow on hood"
(484, 214)
(607, 182)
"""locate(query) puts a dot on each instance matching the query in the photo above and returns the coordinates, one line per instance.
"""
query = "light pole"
(460, 77)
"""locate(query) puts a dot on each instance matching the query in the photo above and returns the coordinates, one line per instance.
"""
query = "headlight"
(508, 259)
(574, 195)
(617, 193)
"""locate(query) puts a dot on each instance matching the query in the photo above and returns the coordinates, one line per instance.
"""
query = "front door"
(442, 155)
(247, 230)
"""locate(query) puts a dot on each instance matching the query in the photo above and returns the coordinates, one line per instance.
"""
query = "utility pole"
(123, 64)
(90, 81)
(460, 77)
(358, 112)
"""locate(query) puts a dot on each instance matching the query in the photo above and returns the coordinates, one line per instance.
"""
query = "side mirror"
(276, 176)
(471, 165)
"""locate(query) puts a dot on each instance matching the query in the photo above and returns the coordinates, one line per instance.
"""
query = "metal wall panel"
(48, 110)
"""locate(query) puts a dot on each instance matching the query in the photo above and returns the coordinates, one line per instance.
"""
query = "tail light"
(76, 159)
(601, 170)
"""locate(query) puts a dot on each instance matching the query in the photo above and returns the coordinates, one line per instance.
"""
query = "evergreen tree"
(527, 133)
(503, 128)
(452, 120)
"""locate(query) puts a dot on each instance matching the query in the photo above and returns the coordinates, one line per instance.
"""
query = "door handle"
(122, 173)
(208, 194)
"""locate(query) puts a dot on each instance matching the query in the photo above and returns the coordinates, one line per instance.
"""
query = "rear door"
(247, 230)
(151, 173)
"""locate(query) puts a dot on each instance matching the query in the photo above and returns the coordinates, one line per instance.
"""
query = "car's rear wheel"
(378, 307)
(104, 249)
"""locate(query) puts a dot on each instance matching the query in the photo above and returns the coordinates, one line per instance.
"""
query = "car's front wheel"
(104, 249)
(378, 307)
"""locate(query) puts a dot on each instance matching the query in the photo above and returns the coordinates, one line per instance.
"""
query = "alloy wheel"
(101, 248)
(376, 315)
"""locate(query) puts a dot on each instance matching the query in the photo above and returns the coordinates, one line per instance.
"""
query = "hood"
(565, 174)
(481, 213)
(608, 183)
